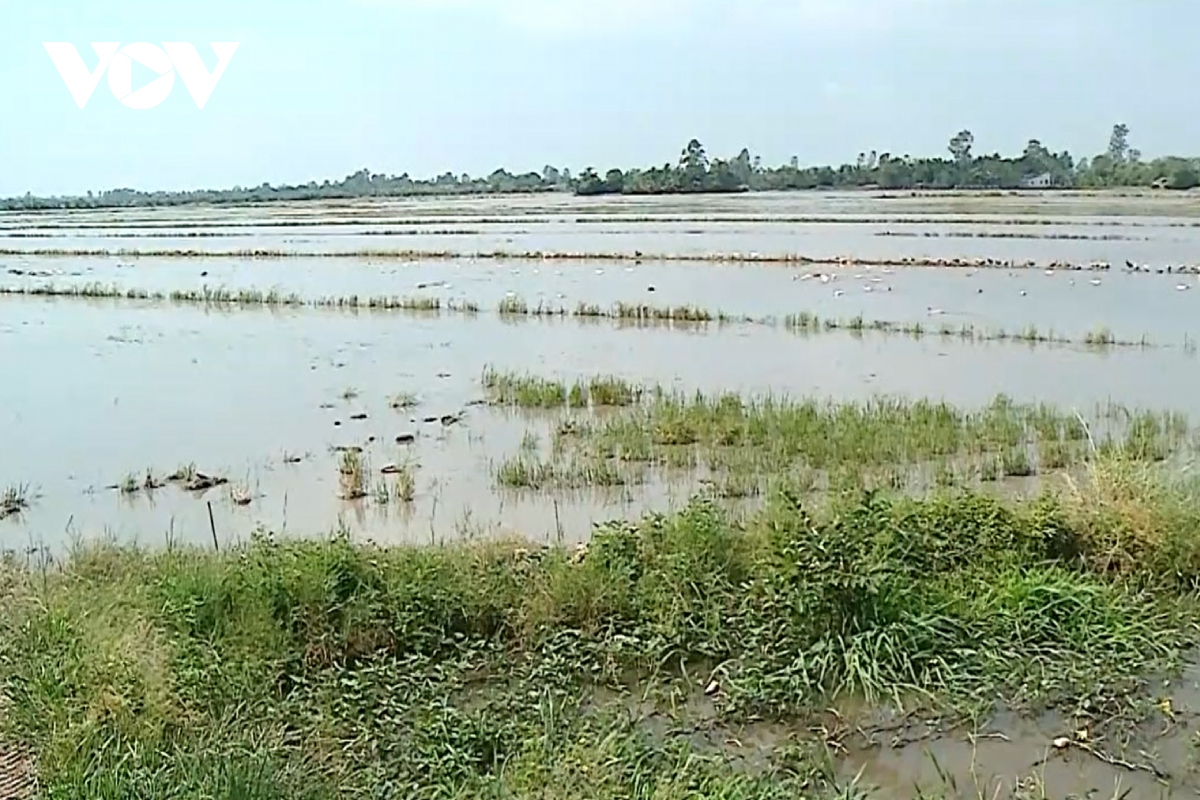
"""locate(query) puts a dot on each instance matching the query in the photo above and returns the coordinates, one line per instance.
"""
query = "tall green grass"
(322, 668)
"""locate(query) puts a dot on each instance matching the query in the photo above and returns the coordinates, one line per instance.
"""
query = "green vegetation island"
(1037, 167)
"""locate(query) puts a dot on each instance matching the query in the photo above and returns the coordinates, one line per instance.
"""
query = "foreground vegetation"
(705, 653)
(326, 669)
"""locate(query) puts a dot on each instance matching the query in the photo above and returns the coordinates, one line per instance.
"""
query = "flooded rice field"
(820, 226)
(436, 370)
(111, 378)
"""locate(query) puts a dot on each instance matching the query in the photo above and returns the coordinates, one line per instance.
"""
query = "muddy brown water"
(108, 389)
(98, 390)
(1053, 754)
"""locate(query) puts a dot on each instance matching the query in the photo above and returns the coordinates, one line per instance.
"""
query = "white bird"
(1024, 293)
(933, 312)
(1183, 287)
(1095, 281)
(838, 293)
(824, 279)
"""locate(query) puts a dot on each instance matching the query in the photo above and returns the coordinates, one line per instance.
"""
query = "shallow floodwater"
(1161, 308)
(1049, 755)
(101, 389)
(1156, 230)
(112, 388)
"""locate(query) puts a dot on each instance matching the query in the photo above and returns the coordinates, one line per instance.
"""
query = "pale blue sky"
(320, 89)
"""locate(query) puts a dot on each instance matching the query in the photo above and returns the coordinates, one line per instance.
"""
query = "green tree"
(960, 146)
(1184, 177)
(693, 162)
(1118, 143)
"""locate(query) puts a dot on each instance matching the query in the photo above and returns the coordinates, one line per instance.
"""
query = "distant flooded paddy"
(1043, 228)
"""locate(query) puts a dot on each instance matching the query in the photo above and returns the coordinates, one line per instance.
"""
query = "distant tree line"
(695, 173)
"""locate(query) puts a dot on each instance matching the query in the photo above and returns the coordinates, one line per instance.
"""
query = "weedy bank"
(627, 668)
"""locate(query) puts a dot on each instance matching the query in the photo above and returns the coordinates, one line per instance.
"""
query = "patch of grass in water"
(129, 484)
(404, 400)
(352, 475)
(523, 391)
(611, 391)
(529, 472)
(15, 500)
(529, 391)
(397, 486)
(1100, 337)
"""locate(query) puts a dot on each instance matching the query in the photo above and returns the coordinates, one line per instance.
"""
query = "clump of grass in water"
(129, 484)
(352, 475)
(803, 322)
(647, 313)
(184, 473)
(528, 472)
(513, 306)
(529, 391)
(463, 306)
(14, 500)
(525, 391)
(402, 488)
(405, 483)
(404, 400)
(612, 391)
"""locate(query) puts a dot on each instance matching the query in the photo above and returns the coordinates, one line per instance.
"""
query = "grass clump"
(14, 500)
(352, 475)
(404, 401)
(321, 668)
(529, 391)
(526, 471)
(403, 487)
(523, 391)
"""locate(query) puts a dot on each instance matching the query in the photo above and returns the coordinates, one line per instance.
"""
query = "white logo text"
(165, 62)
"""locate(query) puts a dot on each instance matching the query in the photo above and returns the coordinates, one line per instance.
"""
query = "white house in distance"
(1043, 181)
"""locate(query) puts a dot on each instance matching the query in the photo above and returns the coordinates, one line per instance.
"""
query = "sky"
(320, 89)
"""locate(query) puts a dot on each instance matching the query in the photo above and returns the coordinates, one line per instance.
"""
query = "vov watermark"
(165, 61)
